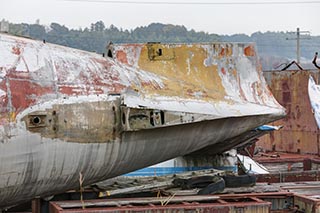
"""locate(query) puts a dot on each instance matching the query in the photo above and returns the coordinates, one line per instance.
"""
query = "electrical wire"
(199, 3)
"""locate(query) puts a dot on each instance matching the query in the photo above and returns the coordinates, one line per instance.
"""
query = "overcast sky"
(230, 17)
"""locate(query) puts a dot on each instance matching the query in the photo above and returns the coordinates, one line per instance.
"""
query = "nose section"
(76, 121)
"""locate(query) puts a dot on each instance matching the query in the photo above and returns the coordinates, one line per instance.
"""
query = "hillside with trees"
(98, 36)
(275, 48)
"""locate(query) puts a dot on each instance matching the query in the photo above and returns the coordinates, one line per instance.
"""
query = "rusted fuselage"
(65, 111)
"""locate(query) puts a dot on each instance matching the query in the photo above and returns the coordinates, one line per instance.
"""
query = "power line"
(288, 46)
(199, 3)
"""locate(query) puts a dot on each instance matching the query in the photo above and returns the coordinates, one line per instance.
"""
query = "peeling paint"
(64, 111)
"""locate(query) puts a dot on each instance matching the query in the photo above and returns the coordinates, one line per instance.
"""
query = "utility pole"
(298, 38)
(298, 45)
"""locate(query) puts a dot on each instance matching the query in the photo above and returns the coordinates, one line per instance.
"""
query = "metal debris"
(314, 61)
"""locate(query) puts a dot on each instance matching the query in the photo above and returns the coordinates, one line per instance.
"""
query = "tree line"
(97, 36)
(273, 47)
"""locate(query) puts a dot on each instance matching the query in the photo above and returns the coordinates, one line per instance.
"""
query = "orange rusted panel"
(300, 132)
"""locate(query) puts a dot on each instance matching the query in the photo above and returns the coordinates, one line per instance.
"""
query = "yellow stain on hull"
(184, 71)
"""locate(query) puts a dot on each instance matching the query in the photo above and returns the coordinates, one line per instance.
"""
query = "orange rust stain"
(242, 93)
(222, 52)
(16, 50)
(189, 91)
(223, 70)
(122, 57)
(234, 72)
(150, 85)
(249, 51)
(229, 51)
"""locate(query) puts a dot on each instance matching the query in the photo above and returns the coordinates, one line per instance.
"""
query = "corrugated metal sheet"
(300, 133)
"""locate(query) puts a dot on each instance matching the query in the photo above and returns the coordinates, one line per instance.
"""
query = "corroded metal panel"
(307, 203)
(232, 204)
(66, 112)
(96, 119)
(300, 132)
